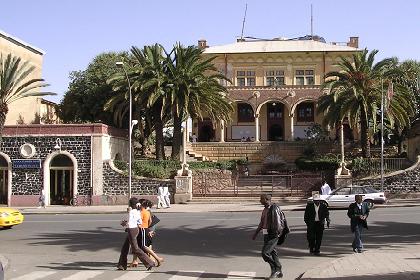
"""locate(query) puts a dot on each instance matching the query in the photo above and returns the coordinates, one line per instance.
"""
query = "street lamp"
(131, 124)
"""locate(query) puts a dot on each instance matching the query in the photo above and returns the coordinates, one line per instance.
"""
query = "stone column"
(257, 128)
(343, 176)
(222, 131)
(292, 131)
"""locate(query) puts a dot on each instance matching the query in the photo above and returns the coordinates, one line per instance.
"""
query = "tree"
(355, 92)
(88, 91)
(15, 84)
(195, 90)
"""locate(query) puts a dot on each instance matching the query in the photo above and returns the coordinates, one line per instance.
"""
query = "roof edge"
(21, 42)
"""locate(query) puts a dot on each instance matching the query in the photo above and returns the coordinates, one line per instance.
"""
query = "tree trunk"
(159, 144)
(4, 109)
(364, 130)
(177, 140)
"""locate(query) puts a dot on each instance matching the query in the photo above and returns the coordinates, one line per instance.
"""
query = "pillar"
(222, 131)
(257, 128)
(292, 132)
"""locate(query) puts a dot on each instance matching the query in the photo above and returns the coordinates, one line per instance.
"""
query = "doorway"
(275, 121)
(61, 180)
(205, 130)
(4, 180)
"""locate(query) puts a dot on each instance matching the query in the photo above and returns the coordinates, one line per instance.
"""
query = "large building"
(30, 110)
(275, 85)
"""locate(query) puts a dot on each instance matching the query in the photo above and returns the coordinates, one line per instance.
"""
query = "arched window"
(245, 113)
(305, 112)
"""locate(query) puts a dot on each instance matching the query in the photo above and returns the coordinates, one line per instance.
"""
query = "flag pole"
(382, 135)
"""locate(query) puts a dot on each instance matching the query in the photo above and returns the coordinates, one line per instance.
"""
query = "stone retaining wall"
(115, 185)
(403, 181)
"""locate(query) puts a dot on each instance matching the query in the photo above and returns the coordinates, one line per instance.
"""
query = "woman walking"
(133, 223)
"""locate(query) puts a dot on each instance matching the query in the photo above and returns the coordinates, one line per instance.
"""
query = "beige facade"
(31, 109)
(275, 85)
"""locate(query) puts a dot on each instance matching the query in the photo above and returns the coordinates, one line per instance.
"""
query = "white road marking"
(34, 275)
(241, 275)
(130, 275)
(187, 275)
(83, 275)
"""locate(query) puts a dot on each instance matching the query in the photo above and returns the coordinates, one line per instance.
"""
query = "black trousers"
(132, 240)
(314, 234)
(269, 252)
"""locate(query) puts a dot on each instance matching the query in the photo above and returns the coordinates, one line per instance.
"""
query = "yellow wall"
(27, 107)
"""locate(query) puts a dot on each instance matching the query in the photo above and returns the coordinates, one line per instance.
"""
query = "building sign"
(26, 163)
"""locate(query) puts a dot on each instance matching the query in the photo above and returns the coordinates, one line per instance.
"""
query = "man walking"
(316, 213)
(358, 212)
(272, 227)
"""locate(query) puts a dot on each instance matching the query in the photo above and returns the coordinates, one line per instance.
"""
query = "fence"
(390, 164)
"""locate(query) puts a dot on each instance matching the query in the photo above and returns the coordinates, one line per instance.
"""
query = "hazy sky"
(73, 32)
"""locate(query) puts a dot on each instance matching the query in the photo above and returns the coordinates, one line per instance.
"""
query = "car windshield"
(341, 191)
(370, 190)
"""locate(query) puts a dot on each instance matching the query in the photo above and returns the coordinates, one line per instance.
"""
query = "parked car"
(342, 197)
(10, 217)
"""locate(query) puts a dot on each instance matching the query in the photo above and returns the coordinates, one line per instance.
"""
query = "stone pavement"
(384, 264)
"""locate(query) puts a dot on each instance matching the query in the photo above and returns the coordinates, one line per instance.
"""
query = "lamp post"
(131, 123)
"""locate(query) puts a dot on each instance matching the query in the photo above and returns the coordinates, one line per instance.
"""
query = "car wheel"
(369, 203)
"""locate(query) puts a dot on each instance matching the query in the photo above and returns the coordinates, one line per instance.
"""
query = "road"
(194, 245)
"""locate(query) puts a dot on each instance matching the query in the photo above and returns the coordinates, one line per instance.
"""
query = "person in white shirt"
(163, 196)
(316, 214)
(132, 223)
(194, 138)
(325, 189)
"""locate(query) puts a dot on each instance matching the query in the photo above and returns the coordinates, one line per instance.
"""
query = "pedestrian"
(358, 212)
(41, 200)
(144, 239)
(316, 213)
(163, 197)
(132, 223)
(272, 226)
(325, 189)
(194, 138)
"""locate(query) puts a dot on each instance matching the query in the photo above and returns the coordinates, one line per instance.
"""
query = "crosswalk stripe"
(241, 275)
(34, 275)
(187, 275)
(130, 275)
(83, 275)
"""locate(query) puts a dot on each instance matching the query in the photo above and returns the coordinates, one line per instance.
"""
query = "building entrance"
(4, 179)
(275, 121)
(61, 180)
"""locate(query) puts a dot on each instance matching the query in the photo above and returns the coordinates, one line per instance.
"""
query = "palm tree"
(15, 85)
(195, 90)
(149, 86)
(355, 92)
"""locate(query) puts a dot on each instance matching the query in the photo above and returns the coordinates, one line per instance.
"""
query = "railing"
(300, 184)
(390, 164)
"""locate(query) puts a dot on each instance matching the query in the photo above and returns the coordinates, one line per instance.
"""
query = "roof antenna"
(243, 22)
(312, 25)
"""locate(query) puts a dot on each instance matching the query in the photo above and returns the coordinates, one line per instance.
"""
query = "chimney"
(354, 42)
(202, 44)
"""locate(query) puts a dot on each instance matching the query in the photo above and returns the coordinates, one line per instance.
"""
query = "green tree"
(195, 90)
(15, 84)
(88, 91)
(355, 92)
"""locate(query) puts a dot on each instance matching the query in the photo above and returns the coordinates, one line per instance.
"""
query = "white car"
(342, 197)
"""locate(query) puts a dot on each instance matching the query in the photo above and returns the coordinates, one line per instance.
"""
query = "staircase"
(193, 156)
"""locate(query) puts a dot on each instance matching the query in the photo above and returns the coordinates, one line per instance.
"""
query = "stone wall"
(403, 181)
(115, 184)
(30, 181)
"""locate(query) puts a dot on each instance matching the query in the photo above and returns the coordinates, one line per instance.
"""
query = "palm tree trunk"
(159, 145)
(364, 135)
(177, 139)
(3, 113)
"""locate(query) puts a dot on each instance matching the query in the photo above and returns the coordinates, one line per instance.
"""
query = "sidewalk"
(386, 264)
(191, 208)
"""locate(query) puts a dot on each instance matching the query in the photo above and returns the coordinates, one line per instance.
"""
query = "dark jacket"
(274, 221)
(354, 212)
(323, 213)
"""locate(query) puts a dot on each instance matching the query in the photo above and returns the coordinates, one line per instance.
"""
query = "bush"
(360, 166)
(222, 165)
(316, 164)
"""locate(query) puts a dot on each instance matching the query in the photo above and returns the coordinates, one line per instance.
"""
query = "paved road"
(195, 245)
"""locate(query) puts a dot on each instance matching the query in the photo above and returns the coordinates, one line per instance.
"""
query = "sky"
(73, 32)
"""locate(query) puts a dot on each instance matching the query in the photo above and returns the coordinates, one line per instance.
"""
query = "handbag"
(155, 220)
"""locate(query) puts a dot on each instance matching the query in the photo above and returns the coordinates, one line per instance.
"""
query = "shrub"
(316, 164)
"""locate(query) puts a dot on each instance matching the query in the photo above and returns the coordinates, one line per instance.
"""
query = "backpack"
(285, 231)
